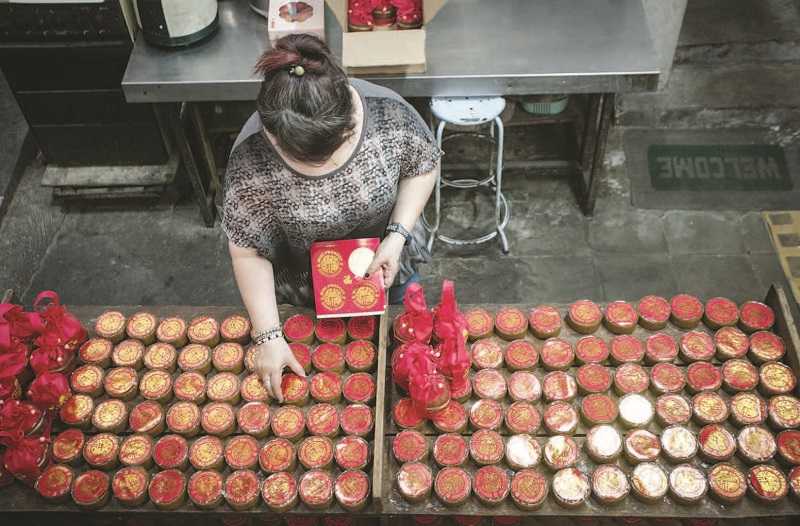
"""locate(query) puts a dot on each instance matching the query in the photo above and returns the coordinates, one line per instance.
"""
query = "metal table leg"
(593, 148)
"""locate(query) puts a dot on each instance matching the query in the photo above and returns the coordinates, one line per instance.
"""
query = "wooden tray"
(395, 504)
(20, 499)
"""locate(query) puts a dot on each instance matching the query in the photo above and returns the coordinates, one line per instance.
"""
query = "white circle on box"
(359, 261)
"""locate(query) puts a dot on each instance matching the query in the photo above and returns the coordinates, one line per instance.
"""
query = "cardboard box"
(373, 52)
(287, 17)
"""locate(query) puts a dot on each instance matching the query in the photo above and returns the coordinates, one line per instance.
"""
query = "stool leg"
(498, 189)
(437, 193)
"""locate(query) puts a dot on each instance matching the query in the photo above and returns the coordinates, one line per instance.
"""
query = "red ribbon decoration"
(406, 361)
(15, 414)
(9, 389)
(13, 360)
(49, 390)
(425, 386)
(58, 321)
(49, 359)
(16, 324)
(417, 317)
(23, 454)
(450, 327)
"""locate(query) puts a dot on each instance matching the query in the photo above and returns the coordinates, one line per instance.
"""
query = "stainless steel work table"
(474, 47)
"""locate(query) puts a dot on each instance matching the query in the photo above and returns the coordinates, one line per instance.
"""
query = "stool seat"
(467, 111)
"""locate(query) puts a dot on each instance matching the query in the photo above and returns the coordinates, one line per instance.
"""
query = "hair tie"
(297, 70)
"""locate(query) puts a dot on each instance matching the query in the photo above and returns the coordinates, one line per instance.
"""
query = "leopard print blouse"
(280, 212)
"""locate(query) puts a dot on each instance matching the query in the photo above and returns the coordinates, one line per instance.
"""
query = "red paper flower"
(49, 390)
(13, 360)
(45, 359)
(16, 415)
(16, 324)
(23, 455)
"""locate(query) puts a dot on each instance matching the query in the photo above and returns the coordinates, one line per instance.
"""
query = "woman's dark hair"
(310, 114)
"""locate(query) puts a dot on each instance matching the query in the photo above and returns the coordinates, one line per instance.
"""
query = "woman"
(324, 158)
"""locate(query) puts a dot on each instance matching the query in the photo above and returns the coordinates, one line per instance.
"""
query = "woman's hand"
(271, 358)
(387, 258)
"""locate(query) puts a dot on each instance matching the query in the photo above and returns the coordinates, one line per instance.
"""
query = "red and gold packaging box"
(190, 387)
(480, 323)
(362, 327)
(631, 378)
(207, 453)
(67, 447)
(91, 489)
(183, 418)
(511, 323)
(491, 485)
(315, 452)
(557, 354)
(414, 481)
(571, 487)
(686, 311)
(522, 417)
(161, 356)
(223, 387)
(776, 378)
(228, 357)
(747, 409)
(756, 316)
(288, 422)
(641, 446)
(352, 490)
(77, 411)
(171, 452)
(128, 353)
(110, 416)
(326, 387)
(450, 449)
(560, 418)
(452, 419)
(486, 354)
(102, 451)
(407, 416)
(739, 375)
(241, 452)
(660, 348)
(486, 414)
(522, 451)
(584, 316)
(360, 355)
(598, 409)
(486, 447)
(720, 312)
(687, 484)
(254, 419)
(129, 486)
(649, 482)
(635, 410)
(359, 388)
(654, 312)
(96, 351)
(609, 485)
(520, 355)
(767, 483)
(489, 383)
(703, 376)
(218, 418)
(351, 452)
(591, 349)
(121, 382)
(142, 326)
(559, 385)
(203, 330)
(766, 347)
(55, 483)
(673, 409)
(278, 454)
(529, 489)
(756, 444)
(709, 407)
(626, 349)
(784, 412)
(717, 444)
(560, 452)
(667, 378)
(280, 492)
(523, 386)
(88, 380)
(544, 322)
(316, 489)
(295, 389)
(167, 489)
(205, 489)
(173, 332)
(788, 444)
(157, 386)
(195, 357)
(731, 343)
(323, 420)
(111, 326)
(593, 378)
(328, 357)
(620, 317)
(299, 328)
(136, 450)
(340, 286)
(453, 486)
(603, 443)
(357, 420)
(726, 483)
(236, 329)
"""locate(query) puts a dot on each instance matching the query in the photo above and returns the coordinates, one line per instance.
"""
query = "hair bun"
(292, 50)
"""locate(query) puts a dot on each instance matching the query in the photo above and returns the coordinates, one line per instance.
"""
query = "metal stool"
(471, 111)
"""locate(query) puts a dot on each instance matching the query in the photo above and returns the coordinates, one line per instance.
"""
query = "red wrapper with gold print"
(195, 357)
(241, 452)
(110, 415)
(360, 355)
(228, 357)
(591, 349)
(557, 354)
(136, 450)
(121, 382)
(480, 323)
(102, 451)
(716, 443)
(529, 489)
(726, 483)
(584, 316)
(171, 452)
(673, 409)
(747, 409)
(450, 449)
(452, 419)
(338, 271)
(641, 446)
(524, 386)
(299, 328)
(328, 357)
(218, 418)
(156, 385)
(560, 452)
(703, 376)
(794, 482)
(414, 481)
(544, 321)
(697, 346)
(489, 383)
(172, 331)
(407, 416)
(667, 378)
(67, 446)
(686, 311)
(654, 312)
(88, 380)
(91, 489)
(128, 353)
(486, 414)
(77, 411)
(593, 378)
(203, 330)
(207, 453)
(315, 452)
(766, 347)
(511, 323)
(559, 385)
(55, 483)
(111, 326)
(351, 452)
(362, 327)
(720, 312)
(161, 356)
(142, 326)
(621, 317)
(253, 390)
(739, 375)
(184, 418)
(294, 389)
(190, 387)
(205, 489)
(167, 489)
(357, 420)
(522, 417)
(453, 486)
(626, 349)
(709, 407)
(521, 355)
(129, 485)
(235, 328)
(491, 485)
(242, 489)
(359, 388)
(486, 354)
(610, 484)
(280, 492)
(486, 447)
(288, 422)
(323, 420)
(598, 409)
(316, 489)
(776, 378)
(660, 348)
(326, 387)
(731, 343)
(784, 412)
(560, 418)
(766, 482)
(352, 490)
(277, 455)
(788, 443)
(254, 419)
(223, 387)
(756, 316)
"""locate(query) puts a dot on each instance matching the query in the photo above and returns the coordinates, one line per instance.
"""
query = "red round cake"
(731, 343)
(129, 486)
(121, 382)
(414, 481)
(766, 482)
(55, 482)
(205, 489)
(491, 485)
(351, 452)
(356, 419)
(172, 331)
(301, 352)
(252, 389)
(654, 312)
(739, 375)
(453, 486)
(280, 492)
(720, 312)
(631, 378)
(228, 357)
(235, 329)
(593, 378)
(621, 317)
(726, 483)
(784, 412)
(352, 490)
(277, 455)
(522, 417)
(756, 316)
(756, 444)
(128, 353)
(241, 452)
(480, 324)
(161, 356)
(529, 489)
(362, 327)
(525, 386)
(667, 378)
(560, 418)
(557, 354)
(697, 346)
(295, 389)
(450, 449)
(207, 453)
(323, 420)
(67, 446)
(747, 409)
(167, 489)
(776, 378)
(489, 383)
(203, 330)
(315, 452)
(360, 355)
(717, 444)
(559, 385)
(218, 418)
(184, 418)
(708, 407)
(521, 355)
(688, 484)
(87, 379)
(142, 326)
(171, 452)
(486, 414)
(299, 328)
(254, 418)
(686, 311)
(610, 484)
(486, 354)
(91, 489)
(328, 357)
(288, 422)
(359, 388)
(584, 316)
(195, 357)
(331, 330)
(766, 347)
(511, 323)
(136, 450)
(110, 415)
(788, 443)
(626, 349)
(673, 409)
(591, 349)
(190, 387)
(242, 489)
(641, 446)
(544, 321)
(599, 409)
(77, 411)
(486, 447)
(407, 416)
(703, 376)
(660, 348)
(111, 325)
(326, 387)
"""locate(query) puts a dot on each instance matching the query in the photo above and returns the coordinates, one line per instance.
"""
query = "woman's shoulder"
(250, 153)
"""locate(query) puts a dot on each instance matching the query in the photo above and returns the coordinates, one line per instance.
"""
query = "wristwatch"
(400, 229)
